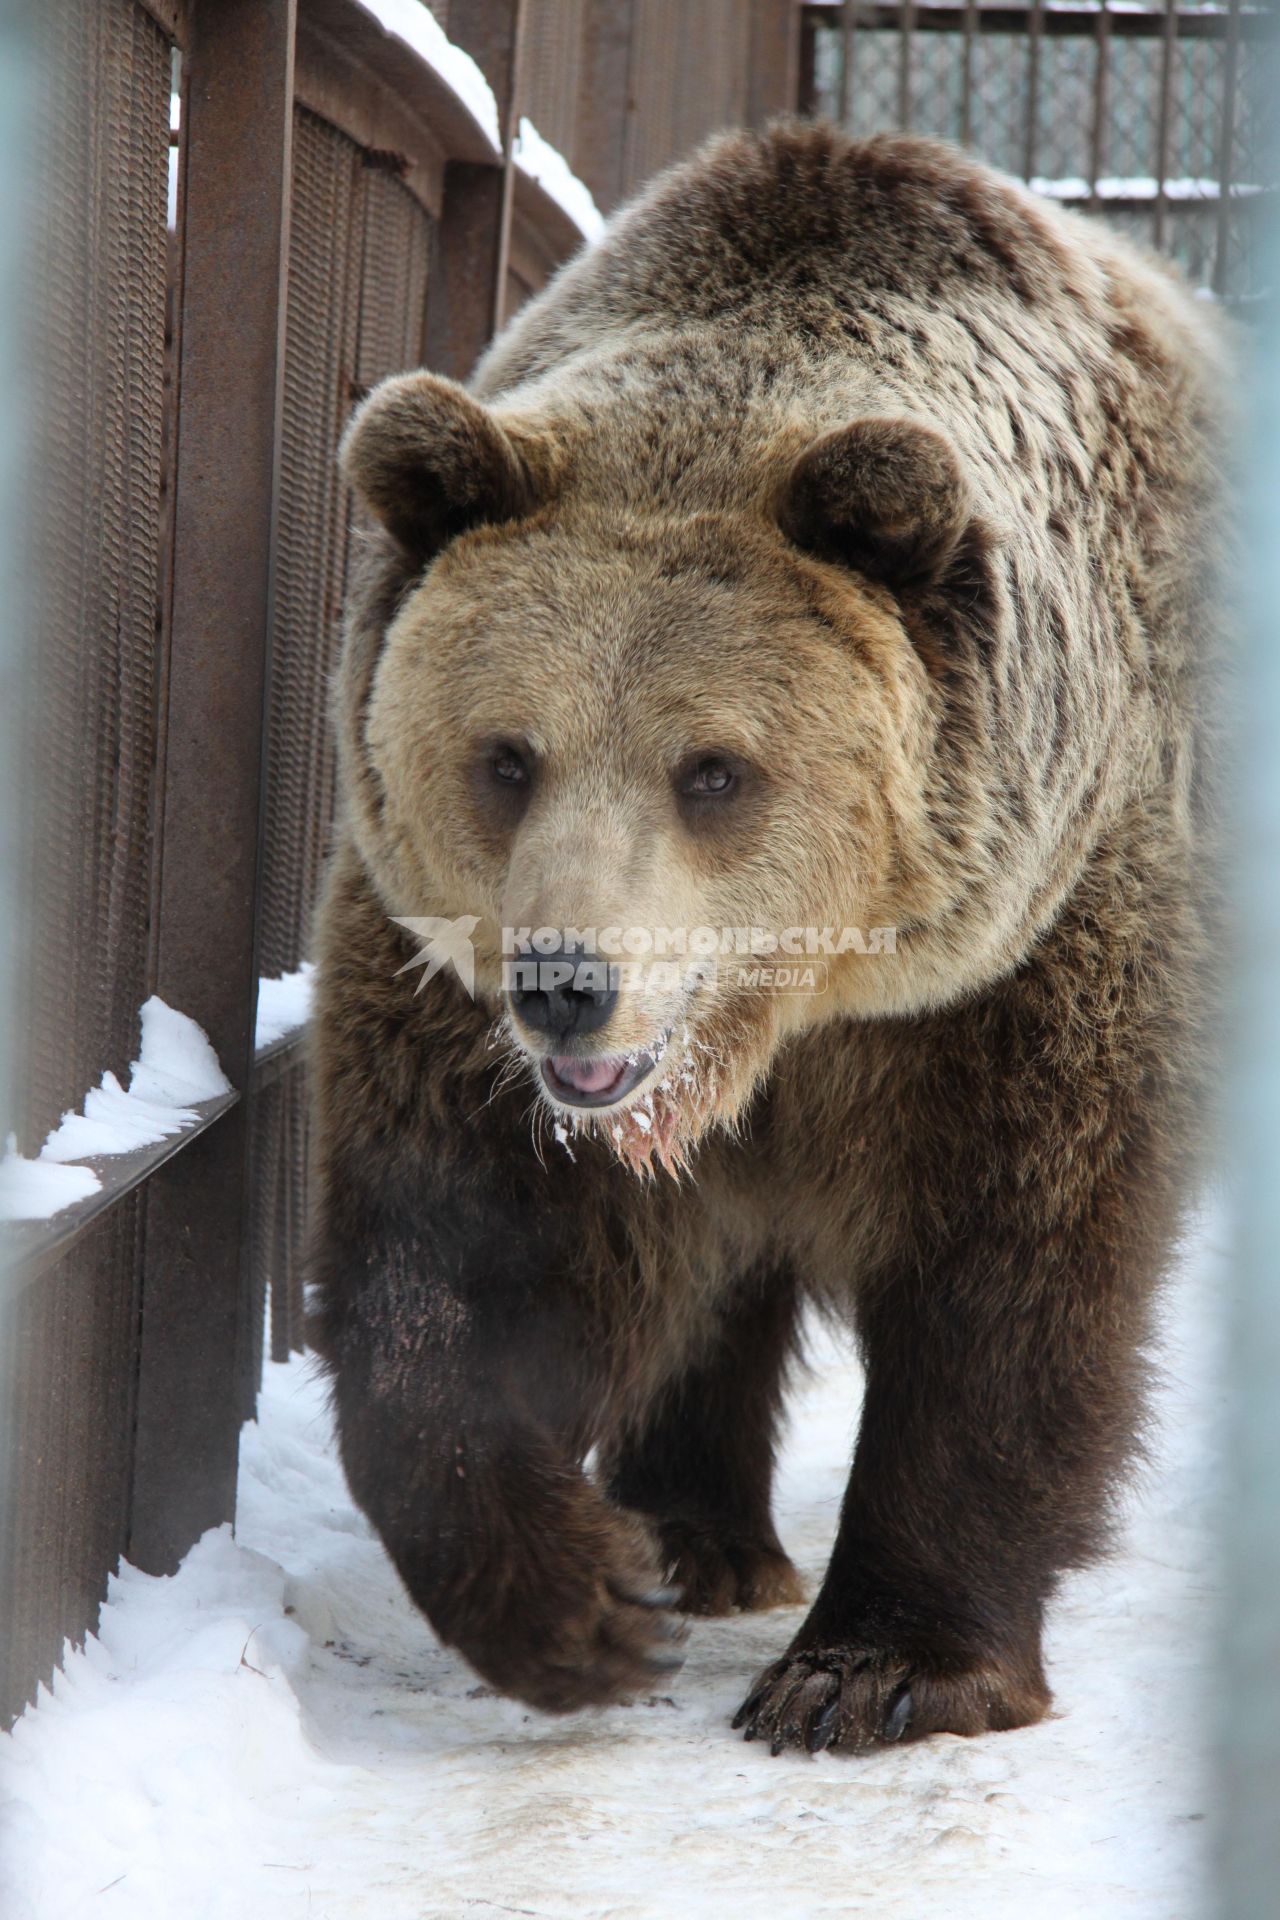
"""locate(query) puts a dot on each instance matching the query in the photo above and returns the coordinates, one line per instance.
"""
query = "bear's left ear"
(885, 497)
(430, 462)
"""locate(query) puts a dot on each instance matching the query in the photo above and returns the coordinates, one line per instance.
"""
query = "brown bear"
(823, 565)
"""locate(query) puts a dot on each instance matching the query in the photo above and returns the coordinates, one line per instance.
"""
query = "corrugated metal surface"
(357, 309)
(688, 77)
(98, 485)
(69, 1346)
(69, 1341)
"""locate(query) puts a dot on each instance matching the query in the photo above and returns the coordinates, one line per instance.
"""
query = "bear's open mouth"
(594, 1081)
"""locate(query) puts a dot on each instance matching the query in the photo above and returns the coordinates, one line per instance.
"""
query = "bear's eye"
(711, 777)
(509, 767)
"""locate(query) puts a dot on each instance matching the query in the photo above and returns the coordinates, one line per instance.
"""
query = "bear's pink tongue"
(588, 1076)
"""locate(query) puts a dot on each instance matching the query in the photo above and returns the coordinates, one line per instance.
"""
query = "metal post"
(235, 238)
(1226, 153)
(1035, 33)
(966, 81)
(1101, 78)
(847, 24)
(905, 46)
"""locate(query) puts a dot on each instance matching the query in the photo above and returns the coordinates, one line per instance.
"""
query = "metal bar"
(1035, 30)
(1164, 119)
(908, 27)
(1253, 202)
(240, 112)
(846, 62)
(966, 75)
(1226, 151)
(28, 1249)
(1101, 76)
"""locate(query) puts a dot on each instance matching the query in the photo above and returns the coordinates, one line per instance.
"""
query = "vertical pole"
(469, 273)
(905, 47)
(1035, 34)
(846, 64)
(1101, 78)
(239, 101)
(1164, 119)
(1226, 152)
(966, 77)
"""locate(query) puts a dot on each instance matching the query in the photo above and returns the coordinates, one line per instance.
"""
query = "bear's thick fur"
(832, 546)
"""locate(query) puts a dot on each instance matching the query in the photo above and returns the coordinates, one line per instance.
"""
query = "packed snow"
(411, 22)
(274, 1734)
(175, 1070)
(284, 1005)
(544, 163)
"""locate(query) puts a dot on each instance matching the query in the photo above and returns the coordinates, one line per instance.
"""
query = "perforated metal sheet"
(98, 485)
(357, 308)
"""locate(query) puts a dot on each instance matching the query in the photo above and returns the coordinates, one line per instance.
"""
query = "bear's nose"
(563, 994)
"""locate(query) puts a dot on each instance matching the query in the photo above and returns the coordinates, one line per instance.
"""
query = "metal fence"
(1150, 115)
(252, 210)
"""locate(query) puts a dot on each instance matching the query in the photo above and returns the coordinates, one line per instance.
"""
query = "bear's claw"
(853, 1698)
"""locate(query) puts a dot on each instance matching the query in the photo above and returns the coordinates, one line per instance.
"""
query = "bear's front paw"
(852, 1697)
(583, 1635)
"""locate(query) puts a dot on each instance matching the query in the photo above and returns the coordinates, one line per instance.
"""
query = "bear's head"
(670, 762)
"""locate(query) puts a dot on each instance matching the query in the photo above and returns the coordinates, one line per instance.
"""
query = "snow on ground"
(273, 1733)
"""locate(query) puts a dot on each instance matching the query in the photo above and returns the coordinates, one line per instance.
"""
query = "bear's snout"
(563, 995)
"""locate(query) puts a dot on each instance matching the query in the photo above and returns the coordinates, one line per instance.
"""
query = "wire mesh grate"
(1139, 114)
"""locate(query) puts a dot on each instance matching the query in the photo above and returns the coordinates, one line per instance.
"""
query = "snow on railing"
(284, 1006)
(1137, 187)
(176, 1070)
(540, 161)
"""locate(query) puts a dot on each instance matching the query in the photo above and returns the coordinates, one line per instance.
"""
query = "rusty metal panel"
(311, 525)
(358, 260)
(357, 304)
(551, 69)
(68, 1340)
(689, 78)
(69, 1351)
(195, 1299)
(98, 508)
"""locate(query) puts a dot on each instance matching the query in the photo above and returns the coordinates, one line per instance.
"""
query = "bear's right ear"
(884, 496)
(429, 462)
